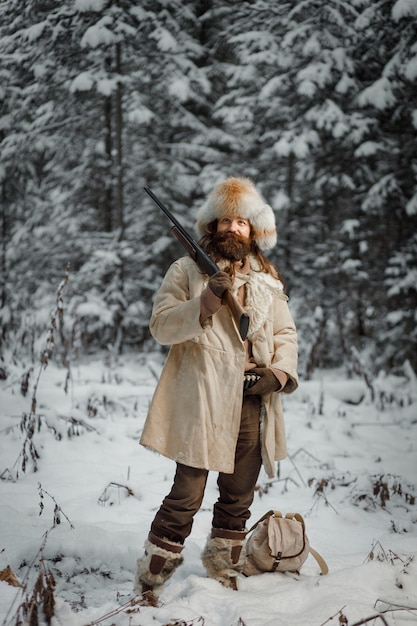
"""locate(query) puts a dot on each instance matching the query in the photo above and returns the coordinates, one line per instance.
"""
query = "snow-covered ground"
(351, 473)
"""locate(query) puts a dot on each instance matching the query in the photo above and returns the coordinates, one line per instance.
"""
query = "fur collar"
(260, 288)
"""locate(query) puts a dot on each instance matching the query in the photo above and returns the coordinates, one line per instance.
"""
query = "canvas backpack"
(279, 544)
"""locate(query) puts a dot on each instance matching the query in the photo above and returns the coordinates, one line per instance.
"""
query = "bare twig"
(339, 613)
(263, 489)
(306, 452)
(326, 501)
(104, 498)
(291, 458)
(360, 369)
(133, 603)
(370, 619)
(57, 508)
(393, 607)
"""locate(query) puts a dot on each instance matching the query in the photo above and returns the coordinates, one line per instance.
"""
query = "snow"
(95, 307)
(161, 244)
(107, 86)
(410, 71)
(411, 206)
(180, 87)
(271, 87)
(395, 317)
(345, 84)
(280, 201)
(368, 148)
(165, 41)
(296, 145)
(380, 94)
(312, 46)
(299, 145)
(34, 32)
(346, 454)
(99, 34)
(329, 116)
(404, 9)
(317, 73)
(307, 88)
(82, 82)
(363, 247)
(140, 115)
(406, 283)
(89, 5)
(351, 265)
(350, 227)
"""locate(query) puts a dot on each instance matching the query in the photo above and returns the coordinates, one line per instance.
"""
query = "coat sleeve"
(285, 342)
(176, 315)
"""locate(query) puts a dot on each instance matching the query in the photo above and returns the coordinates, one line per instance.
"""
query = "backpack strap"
(297, 517)
(261, 519)
(322, 563)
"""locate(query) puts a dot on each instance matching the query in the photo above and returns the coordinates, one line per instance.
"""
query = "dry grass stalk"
(31, 422)
(41, 601)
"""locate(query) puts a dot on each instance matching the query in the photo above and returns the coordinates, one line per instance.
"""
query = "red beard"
(231, 246)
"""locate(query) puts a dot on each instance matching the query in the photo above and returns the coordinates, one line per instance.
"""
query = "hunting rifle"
(206, 265)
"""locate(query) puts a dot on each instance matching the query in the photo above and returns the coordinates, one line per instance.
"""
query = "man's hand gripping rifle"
(205, 264)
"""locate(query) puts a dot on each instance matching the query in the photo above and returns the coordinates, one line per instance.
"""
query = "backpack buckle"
(277, 561)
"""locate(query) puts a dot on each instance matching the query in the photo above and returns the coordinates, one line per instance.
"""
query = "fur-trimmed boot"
(224, 555)
(161, 559)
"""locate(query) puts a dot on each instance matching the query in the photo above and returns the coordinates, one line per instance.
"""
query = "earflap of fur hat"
(237, 197)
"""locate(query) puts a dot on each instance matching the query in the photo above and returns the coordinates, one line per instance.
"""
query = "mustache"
(224, 237)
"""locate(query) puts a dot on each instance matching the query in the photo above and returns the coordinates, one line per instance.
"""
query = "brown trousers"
(175, 517)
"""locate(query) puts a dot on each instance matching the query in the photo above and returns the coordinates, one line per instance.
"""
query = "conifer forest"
(314, 100)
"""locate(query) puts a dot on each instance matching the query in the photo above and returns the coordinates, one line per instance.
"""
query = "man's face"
(236, 225)
(232, 238)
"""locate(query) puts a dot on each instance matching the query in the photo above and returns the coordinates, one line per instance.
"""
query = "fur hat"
(237, 197)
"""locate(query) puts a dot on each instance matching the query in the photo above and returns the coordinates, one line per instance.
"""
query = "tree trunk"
(287, 257)
(3, 262)
(107, 202)
(119, 200)
(119, 146)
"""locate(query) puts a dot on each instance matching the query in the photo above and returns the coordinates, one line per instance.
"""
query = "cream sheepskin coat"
(195, 412)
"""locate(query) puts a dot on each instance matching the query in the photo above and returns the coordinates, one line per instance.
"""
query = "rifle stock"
(206, 265)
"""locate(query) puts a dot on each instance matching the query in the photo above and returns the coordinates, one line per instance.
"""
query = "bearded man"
(203, 415)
